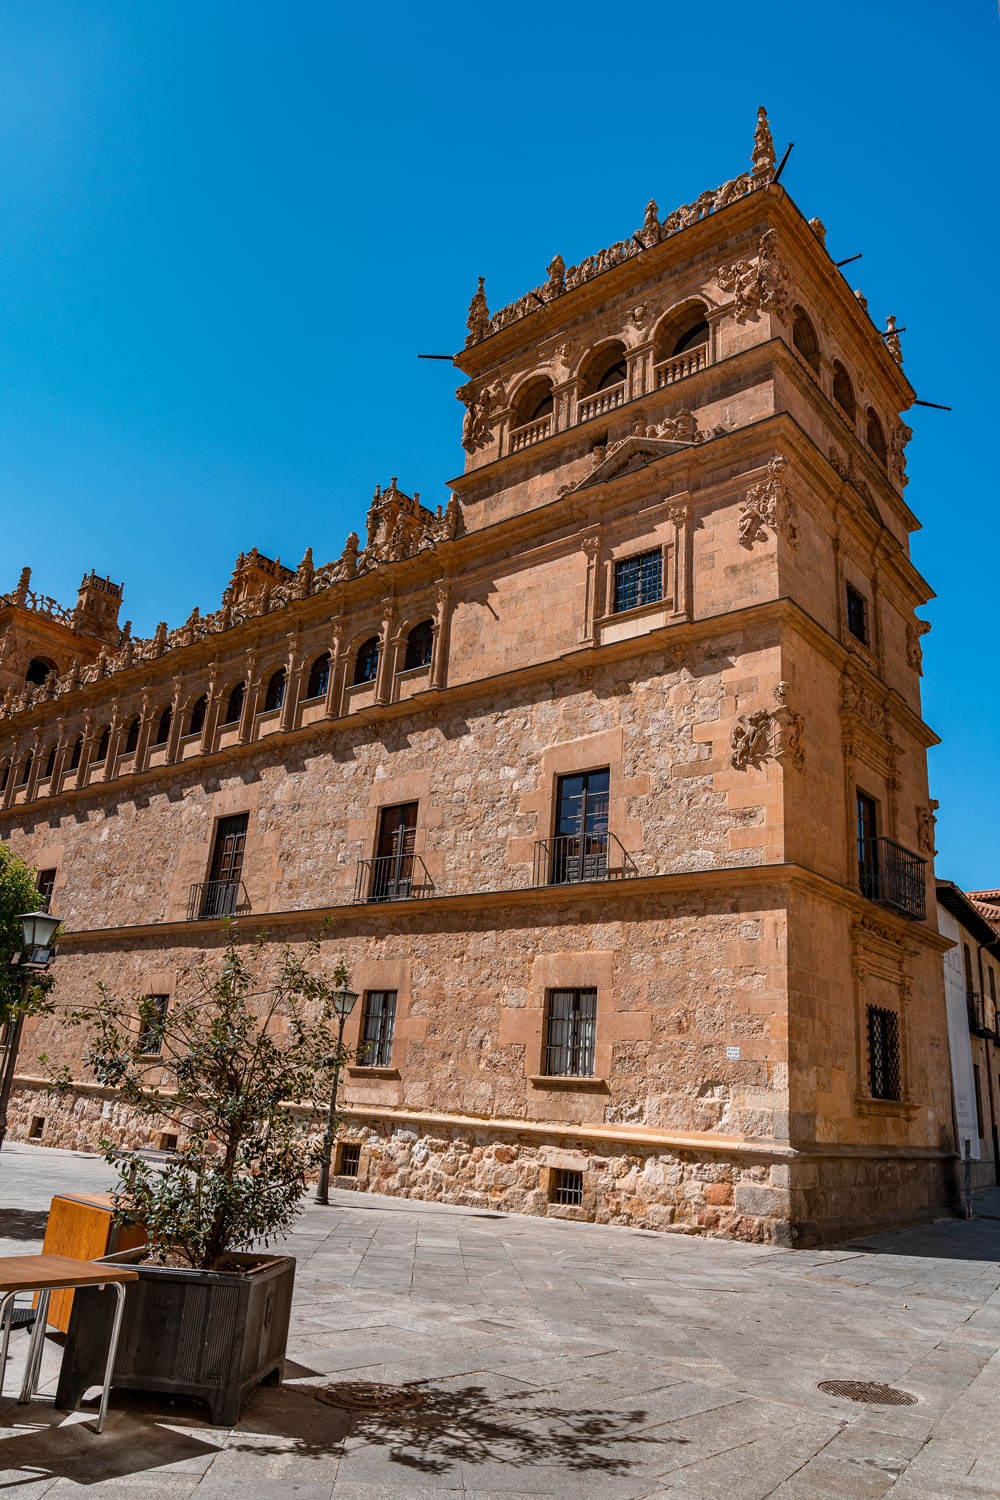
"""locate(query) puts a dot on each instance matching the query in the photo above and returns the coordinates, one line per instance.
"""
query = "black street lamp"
(37, 931)
(343, 1003)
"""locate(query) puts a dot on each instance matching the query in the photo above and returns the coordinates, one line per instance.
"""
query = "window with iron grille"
(566, 1187)
(883, 1053)
(350, 1160)
(638, 580)
(45, 882)
(154, 1015)
(572, 1024)
(376, 1036)
(857, 615)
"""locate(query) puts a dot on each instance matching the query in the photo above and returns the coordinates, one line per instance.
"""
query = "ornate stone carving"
(757, 286)
(914, 651)
(819, 230)
(481, 408)
(639, 315)
(762, 169)
(768, 734)
(479, 315)
(898, 439)
(859, 294)
(555, 286)
(891, 337)
(926, 823)
(683, 428)
(858, 699)
(766, 504)
(651, 232)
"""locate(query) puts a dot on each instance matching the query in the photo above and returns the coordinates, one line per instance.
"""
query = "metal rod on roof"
(936, 405)
(887, 331)
(540, 300)
(781, 164)
(847, 262)
(449, 357)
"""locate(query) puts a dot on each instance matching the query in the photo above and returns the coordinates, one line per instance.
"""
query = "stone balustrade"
(530, 432)
(601, 402)
(679, 366)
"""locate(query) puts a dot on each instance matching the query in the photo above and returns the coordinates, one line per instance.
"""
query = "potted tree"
(239, 1073)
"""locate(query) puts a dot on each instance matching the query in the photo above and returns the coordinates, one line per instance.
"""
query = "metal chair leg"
(109, 1368)
(35, 1348)
(6, 1320)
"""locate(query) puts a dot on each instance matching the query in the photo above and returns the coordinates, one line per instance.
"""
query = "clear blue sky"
(229, 228)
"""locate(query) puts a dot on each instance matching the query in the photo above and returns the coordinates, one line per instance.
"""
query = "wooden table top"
(39, 1273)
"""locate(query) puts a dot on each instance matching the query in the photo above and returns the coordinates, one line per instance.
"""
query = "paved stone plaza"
(560, 1359)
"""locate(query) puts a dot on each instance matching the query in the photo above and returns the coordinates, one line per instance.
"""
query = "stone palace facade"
(607, 778)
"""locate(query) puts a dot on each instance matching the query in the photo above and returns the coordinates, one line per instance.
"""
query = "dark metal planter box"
(211, 1334)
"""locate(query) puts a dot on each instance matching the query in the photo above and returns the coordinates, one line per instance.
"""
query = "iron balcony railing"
(892, 876)
(217, 898)
(392, 877)
(978, 1022)
(573, 857)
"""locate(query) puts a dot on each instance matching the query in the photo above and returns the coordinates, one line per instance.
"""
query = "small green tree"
(18, 893)
(250, 1063)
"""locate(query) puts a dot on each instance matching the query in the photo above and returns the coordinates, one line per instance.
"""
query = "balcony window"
(77, 751)
(883, 1053)
(392, 867)
(638, 580)
(376, 1037)
(25, 771)
(38, 670)
(366, 663)
(222, 893)
(857, 615)
(319, 677)
(805, 340)
(571, 1034)
(50, 761)
(888, 873)
(876, 437)
(843, 391)
(101, 752)
(419, 645)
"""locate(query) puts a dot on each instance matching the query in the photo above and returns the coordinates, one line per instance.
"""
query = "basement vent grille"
(869, 1391)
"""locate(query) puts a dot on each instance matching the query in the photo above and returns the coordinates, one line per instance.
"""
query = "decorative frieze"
(858, 699)
(768, 734)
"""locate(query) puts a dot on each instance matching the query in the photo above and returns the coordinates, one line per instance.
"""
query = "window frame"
(379, 1017)
(885, 1068)
(619, 583)
(579, 1042)
(155, 1028)
(853, 599)
(369, 652)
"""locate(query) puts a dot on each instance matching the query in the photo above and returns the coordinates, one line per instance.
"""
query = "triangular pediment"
(629, 456)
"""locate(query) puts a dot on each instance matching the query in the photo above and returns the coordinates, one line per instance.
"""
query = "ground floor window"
(571, 1033)
(376, 1036)
(883, 1053)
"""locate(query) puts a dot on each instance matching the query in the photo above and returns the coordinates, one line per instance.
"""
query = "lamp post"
(343, 1004)
(37, 931)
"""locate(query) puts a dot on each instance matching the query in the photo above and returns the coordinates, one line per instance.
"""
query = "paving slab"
(556, 1359)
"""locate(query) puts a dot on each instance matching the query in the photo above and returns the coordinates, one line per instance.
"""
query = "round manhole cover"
(870, 1391)
(365, 1395)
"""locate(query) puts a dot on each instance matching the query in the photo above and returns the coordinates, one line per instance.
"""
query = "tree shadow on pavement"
(468, 1424)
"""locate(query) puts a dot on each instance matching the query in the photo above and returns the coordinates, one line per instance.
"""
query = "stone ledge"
(359, 1070)
(568, 1081)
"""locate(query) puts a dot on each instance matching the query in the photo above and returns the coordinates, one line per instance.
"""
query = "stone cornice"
(409, 914)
